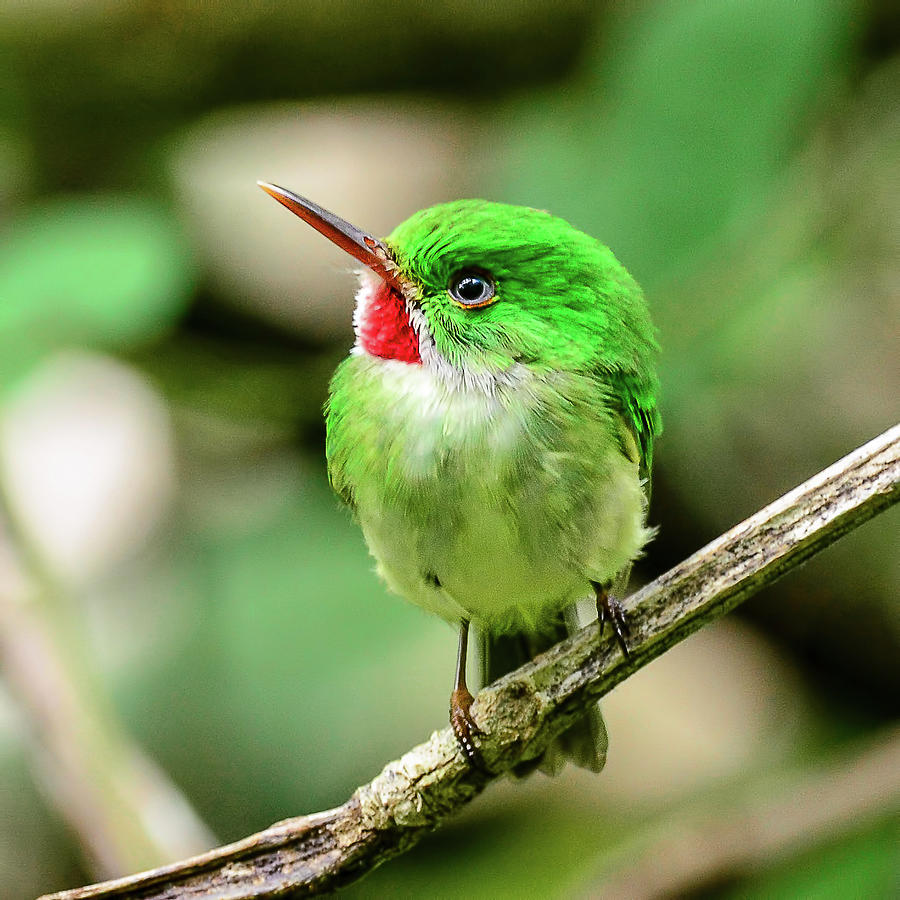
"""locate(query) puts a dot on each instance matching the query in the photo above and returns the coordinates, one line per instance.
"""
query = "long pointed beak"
(367, 249)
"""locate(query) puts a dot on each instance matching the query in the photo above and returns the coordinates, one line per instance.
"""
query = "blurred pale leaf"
(87, 461)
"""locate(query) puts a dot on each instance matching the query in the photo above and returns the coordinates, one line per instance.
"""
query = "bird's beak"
(367, 249)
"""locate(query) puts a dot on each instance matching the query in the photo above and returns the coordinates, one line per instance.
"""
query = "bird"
(492, 430)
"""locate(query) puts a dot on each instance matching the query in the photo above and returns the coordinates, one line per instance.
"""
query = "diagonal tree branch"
(522, 712)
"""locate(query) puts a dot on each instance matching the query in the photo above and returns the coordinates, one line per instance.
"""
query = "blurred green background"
(194, 643)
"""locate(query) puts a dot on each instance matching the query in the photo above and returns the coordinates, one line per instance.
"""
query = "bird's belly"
(476, 506)
(484, 569)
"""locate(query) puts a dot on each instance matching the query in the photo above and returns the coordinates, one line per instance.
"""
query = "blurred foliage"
(91, 272)
(265, 551)
(862, 865)
(137, 69)
(701, 102)
(739, 156)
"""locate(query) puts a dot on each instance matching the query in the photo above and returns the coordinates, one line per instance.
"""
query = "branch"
(523, 711)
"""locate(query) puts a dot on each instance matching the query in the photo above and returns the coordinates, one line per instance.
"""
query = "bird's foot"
(465, 727)
(609, 609)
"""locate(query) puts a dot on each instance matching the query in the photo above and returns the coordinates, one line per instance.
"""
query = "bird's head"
(478, 287)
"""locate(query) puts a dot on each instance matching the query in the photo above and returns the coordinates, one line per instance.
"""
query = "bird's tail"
(583, 743)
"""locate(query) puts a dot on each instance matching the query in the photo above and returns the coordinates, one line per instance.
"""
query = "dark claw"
(465, 727)
(609, 609)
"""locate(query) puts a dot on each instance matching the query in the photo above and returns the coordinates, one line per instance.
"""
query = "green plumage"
(501, 475)
(565, 302)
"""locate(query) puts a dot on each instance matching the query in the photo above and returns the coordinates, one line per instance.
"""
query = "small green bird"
(492, 429)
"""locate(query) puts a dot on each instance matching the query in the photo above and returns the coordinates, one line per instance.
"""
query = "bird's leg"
(610, 608)
(461, 721)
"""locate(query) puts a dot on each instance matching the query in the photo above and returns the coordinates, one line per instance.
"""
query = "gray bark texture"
(522, 712)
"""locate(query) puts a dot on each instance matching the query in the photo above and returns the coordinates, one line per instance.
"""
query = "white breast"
(469, 535)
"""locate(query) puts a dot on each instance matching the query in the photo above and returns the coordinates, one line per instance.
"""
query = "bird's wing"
(341, 487)
(640, 423)
(640, 417)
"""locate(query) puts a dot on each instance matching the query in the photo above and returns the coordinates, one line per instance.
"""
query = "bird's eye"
(471, 288)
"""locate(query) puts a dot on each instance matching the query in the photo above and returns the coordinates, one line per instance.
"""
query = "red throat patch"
(385, 329)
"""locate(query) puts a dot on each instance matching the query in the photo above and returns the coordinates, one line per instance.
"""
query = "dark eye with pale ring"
(472, 288)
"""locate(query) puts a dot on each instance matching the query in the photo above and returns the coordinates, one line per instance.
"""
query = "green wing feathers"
(637, 402)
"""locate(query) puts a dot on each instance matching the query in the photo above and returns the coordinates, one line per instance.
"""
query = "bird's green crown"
(561, 298)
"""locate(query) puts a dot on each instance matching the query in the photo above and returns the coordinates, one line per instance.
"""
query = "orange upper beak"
(367, 249)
